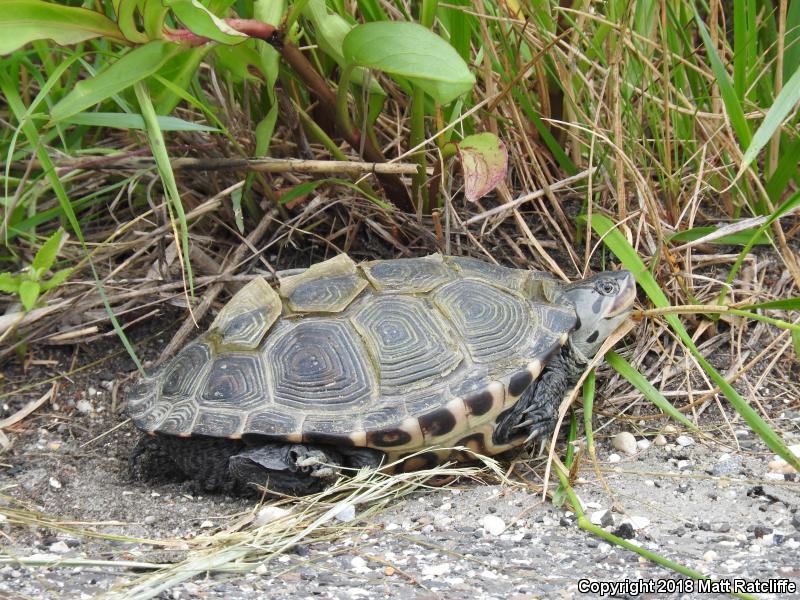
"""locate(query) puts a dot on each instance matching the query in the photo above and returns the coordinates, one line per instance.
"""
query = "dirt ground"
(697, 499)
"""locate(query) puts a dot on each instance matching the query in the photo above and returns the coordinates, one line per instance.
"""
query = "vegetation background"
(156, 153)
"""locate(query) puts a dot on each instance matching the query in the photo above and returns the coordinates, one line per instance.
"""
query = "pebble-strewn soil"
(724, 512)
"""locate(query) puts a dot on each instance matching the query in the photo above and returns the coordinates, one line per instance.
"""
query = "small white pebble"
(684, 440)
(206, 524)
(659, 440)
(643, 444)
(59, 547)
(436, 570)
(149, 520)
(780, 466)
(710, 556)
(493, 524)
(347, 514)
(391, 526)
(55, 483)
(614, 458)
(268, 514)
(670, 429)
(84, 406)
(260, 569)
(624, 442)
(637, 522)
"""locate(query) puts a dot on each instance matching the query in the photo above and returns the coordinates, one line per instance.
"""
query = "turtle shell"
(397, 355)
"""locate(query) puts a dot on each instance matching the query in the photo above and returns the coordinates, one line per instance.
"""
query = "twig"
(200, 310)
(528, 197)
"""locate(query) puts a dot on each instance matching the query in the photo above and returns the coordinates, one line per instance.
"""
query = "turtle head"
(602, 302)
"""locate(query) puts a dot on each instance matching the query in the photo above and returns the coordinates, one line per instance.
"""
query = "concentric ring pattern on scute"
(183, 375)
(236, 380)
(246, 328)
(321, 365)
(495, 324)
(408, 340)
(408, 274)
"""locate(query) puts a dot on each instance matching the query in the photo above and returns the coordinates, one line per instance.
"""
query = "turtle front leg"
(294, 469)
(535, 413)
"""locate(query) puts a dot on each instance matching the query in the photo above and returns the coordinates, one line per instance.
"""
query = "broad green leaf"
(241, 61)
(484, 159)
(617, 243)
(780, 109)
(28, 293)
(200, 21)
(129, 121)
(331, 29)
(46, 255)
(128, 12)
(411, 51)
(23, 21)
(118, 76)
(624, 368)
(9, 283)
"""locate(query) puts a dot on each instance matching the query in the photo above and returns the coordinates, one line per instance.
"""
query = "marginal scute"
(273, 421)
(150, 420)
(248, 315)
(180, 419)
(326, 294)
(333, 267)
(412, 275)
(409, 342)
(404, 434)
(218, 424)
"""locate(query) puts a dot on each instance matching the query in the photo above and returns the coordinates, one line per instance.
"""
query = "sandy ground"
(715, 508)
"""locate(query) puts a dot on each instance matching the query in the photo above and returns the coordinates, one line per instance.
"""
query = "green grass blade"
(617, 243)
(159, 149)
(118, 76)
(133, 121)
(732, 105)
(17, 107)
(780, 109)
(624, 368)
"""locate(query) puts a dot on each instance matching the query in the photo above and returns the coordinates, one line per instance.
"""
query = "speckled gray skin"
(388, 362)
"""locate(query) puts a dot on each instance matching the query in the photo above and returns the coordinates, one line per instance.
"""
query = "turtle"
(399, 364)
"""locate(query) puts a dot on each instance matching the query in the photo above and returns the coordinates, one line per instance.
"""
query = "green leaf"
(57, 279)
(129, 121)
(780, 109)
(23, 21)
(199, 20)
(9, 283)
(411, 51)
(119, 75)
(331, 29)
(484, 159)
(796, 344)
(300, 189)
(624, 368)
(46, 255)
(28, 293)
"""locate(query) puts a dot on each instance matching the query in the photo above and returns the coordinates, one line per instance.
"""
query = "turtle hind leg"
(203, 460)
(150, 461)
(294, 469)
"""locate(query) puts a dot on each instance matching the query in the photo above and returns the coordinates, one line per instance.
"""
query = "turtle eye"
(607, 287)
